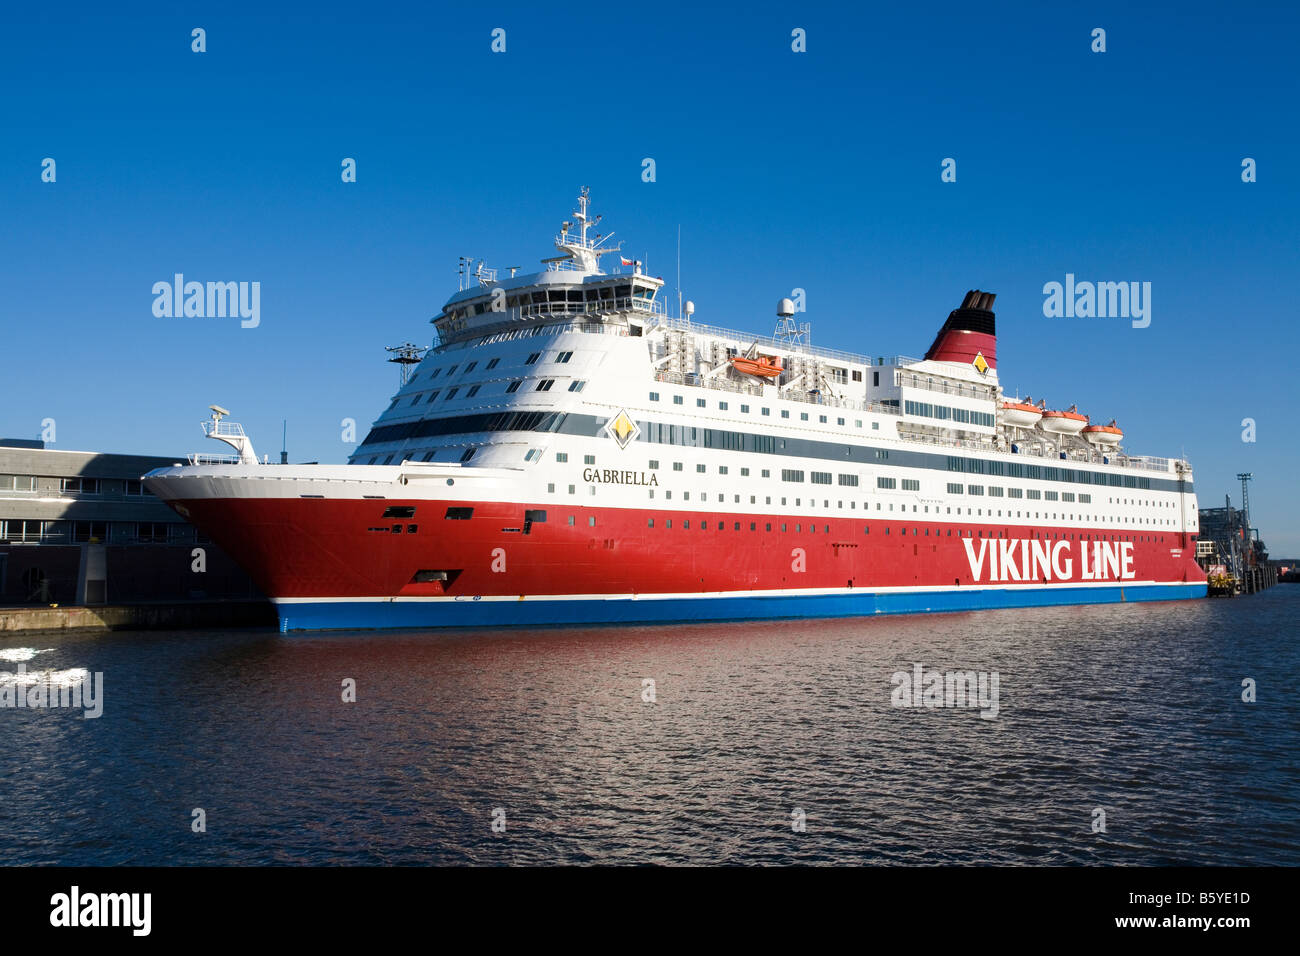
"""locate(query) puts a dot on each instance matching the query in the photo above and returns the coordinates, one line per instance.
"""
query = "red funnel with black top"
(969, 331)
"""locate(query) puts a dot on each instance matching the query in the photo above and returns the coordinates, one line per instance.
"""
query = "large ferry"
(572, 451)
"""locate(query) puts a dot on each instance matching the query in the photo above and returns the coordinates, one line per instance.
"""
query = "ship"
(570, 450)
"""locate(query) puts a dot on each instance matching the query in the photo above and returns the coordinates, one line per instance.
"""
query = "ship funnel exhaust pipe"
(969, 335)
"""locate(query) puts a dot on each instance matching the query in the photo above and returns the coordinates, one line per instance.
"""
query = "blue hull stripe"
(363, 615)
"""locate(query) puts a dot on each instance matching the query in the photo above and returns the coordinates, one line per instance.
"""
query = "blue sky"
(818, 170)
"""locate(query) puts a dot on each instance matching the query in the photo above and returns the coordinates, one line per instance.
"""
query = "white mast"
(581, 251)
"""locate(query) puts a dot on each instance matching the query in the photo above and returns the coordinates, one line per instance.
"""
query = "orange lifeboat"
(763, 366)
(1021, 414)
(1104, 434)
(1069, 422)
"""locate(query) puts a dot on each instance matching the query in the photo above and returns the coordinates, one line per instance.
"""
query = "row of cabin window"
(560, 358)
(703, 525)
(465, 514)
(744, 409)
(543, 385)
(866, 505)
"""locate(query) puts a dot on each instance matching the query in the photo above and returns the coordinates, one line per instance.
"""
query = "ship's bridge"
(572, 285)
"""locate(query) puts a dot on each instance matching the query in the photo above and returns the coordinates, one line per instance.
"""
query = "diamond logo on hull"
(622, 429)
(979, 363)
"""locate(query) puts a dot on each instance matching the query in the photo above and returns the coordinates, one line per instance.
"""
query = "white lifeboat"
(1107, 435)
(1021, 414)
(1068, 422)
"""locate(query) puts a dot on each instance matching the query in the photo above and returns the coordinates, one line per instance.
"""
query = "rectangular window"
(790, 474)
(401, 511)
(545, 385)
(699, 469)
(473, 390)
(1085, 499)
(588, 459)
(1067, 496)
(149, 532)
(995, 491)
(767, 411)
(561, 456)
(744, 473)
(654, 396)
(470, 367)
(532, 359)
(563, 357)
(83, 531)
(849, 481)
(677, 399)
(82, 486)
(744, 409)
(654, 464)
(451, 393)
(1034, 494)
(467, 454)
(491, 365)
(577, 386)
(1052, 496)
(974, 489)
(821, 477)
(886, 483)
(1015, 493)
(722, 406)
(699, 403)
(911, 484)
(956, 488)
(677, 466)
(785, 413)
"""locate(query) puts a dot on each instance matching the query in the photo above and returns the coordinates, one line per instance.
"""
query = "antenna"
(284, 450)
(679, 270)
(406, 355)
(788, 331)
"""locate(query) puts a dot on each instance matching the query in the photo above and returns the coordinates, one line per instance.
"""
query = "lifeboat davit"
(763, 366)
(1021, 414)
(1108, 435)
(1069, 422)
